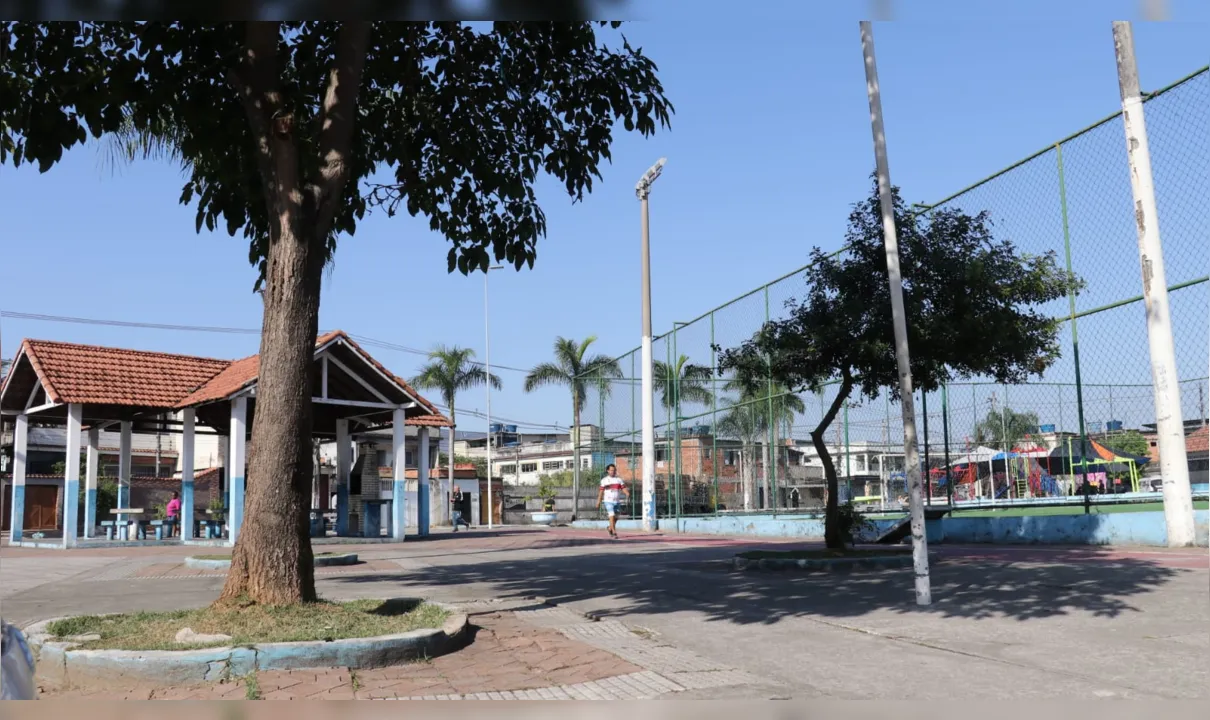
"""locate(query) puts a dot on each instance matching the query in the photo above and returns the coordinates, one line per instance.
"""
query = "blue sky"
(769, 146)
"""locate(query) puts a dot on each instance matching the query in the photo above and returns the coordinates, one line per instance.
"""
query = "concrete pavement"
(1023, 622)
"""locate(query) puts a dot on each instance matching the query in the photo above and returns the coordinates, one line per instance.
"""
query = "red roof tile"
(90, 374)
(113, 376)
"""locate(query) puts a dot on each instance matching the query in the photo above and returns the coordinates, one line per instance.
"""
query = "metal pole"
(643, 190)
(945, 432)
(1170, 432)
(487, 364)
(928, 476)
(920, 555)
(713, 413)
(770, 461)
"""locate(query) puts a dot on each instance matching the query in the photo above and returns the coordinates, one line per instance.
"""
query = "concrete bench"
(163, 528)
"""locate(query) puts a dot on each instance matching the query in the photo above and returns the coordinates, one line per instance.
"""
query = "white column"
(90, 482)
(1169, 423)
(20, 444)
(423, 499)
(239, 440)
(344, 465)
(123, 479)
(71, 475)
(398, 481)
(187, 462)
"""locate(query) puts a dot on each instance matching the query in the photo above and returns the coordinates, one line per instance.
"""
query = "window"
(661, 454)
(552, 465)
(529, 467)
(730, 457)
(409, 458)
(508, 469)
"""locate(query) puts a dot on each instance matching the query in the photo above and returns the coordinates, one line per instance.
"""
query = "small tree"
(972, 305)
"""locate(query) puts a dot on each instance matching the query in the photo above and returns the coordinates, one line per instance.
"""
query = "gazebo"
(90, 388)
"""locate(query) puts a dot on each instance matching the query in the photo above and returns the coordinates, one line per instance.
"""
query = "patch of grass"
(354, 681)
(252, 624)
(251, 687)
(821, 553)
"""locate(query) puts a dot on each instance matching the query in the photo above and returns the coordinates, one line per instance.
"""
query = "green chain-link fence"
(718, 450)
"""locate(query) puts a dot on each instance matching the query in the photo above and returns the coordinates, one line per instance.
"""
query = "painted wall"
(1138, 528)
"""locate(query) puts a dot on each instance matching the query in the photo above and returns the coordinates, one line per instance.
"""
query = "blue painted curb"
(59, 661)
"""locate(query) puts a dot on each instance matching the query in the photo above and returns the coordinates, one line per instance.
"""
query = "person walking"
(456, 509)
(611, 491)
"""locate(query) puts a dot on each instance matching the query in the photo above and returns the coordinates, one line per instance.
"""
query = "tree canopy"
(1006, 428)
(973, 302)
(452, 123)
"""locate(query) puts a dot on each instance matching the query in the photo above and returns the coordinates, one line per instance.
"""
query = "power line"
(213, 329)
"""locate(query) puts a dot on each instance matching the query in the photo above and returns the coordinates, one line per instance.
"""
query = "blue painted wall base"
(1130, 528)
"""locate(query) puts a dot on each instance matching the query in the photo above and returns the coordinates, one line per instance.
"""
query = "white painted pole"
(188, 423)
(1170, 427)
(643, 190)
(423, 498)
(71, 476)
(90, 482)
(911, 460)
(487, 365)
(124, 466)
(239, 459)
(20, 456)
(399, 482)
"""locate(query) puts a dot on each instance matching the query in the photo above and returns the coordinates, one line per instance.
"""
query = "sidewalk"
(529, 651)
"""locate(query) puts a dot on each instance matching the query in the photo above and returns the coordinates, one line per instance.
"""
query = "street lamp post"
(643, 190)
(487, 364)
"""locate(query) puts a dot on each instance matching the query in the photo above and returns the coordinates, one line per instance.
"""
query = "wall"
(1137, 528)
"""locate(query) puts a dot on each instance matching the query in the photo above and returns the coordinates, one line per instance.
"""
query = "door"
(41, 507)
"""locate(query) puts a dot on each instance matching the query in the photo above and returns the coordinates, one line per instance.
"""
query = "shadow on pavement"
(1087, 580)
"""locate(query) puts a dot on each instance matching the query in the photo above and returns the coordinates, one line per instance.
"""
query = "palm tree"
(685, 382)
(760, 406)
(574, 369)
(1005, 428)
(449, 371)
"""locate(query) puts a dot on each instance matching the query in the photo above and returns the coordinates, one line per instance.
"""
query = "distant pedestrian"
(611, 493)
(173, 510)
(456, 509)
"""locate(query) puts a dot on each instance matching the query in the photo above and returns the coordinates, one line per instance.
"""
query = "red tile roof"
(113, 376)
(96, 375)
(1198, 440)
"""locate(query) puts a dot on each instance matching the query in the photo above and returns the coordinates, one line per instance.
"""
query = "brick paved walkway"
(547, 653)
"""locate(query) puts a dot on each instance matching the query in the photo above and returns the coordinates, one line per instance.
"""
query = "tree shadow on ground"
(669, 580)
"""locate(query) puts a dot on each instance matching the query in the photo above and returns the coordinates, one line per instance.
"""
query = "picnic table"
(122, 523)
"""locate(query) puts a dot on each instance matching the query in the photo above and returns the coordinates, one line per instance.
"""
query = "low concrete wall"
(1125, 528)
(61, 662)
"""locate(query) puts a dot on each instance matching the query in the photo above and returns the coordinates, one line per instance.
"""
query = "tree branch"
(255, 80)
(336, 122)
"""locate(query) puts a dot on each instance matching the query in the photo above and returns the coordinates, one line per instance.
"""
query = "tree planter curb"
(840, 564)
(61, 662)
(320, 561)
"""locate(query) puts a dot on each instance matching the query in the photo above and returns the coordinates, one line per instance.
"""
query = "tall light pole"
(487, 364)
(1169, 424)
(643, 190)
(920, 555)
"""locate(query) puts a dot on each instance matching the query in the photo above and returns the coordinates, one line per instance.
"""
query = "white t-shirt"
(612, 487)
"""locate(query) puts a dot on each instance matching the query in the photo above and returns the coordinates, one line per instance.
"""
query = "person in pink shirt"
(173, 510)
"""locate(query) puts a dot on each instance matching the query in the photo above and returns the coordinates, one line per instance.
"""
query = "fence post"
(630, 382)
(945, 433)
(1075, 335)
(674, 383)
(713, 412)
(771, 455)
(928, 475)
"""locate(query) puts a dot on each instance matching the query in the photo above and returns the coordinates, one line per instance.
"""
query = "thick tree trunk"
(831, 530)
(272, 563)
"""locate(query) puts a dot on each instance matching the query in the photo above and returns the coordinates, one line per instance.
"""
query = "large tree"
(449, 371)
(1005, 428)
(973, 304)
(575, 369)
(290, 132)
